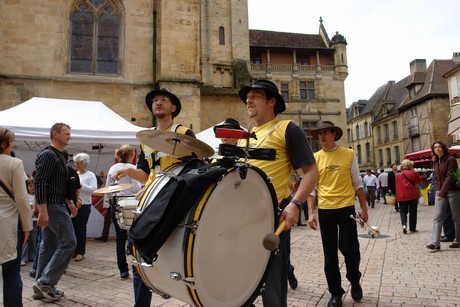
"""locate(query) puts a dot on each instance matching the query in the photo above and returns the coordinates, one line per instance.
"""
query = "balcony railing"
(290, 67)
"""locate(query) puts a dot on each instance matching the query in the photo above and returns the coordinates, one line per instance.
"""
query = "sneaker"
(79, 258)
(47, 291)
(404, 229)
(124, 275)
(433, 247)
(292, 280)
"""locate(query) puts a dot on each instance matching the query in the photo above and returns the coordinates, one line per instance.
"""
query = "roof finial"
(320, 19)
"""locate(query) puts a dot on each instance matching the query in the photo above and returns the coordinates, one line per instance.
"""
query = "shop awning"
(422, 158)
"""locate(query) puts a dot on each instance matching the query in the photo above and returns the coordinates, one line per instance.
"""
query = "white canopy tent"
(95, 129)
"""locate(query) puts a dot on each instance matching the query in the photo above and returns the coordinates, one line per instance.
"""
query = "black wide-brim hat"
(268, 86)
(229, 122)
(323, 125)
(174, 99)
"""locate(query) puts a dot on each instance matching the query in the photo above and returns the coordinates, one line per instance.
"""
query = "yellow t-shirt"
(335, 188)
(272, 135)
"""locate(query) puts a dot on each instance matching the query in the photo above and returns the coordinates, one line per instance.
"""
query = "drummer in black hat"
(263, 103)
(165, 106)
(229, 123)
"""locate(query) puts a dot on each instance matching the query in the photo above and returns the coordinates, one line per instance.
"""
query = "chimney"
(417, 65)
(456, 57)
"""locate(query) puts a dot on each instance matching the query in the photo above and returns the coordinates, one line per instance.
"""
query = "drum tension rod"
(178, 277)
(193, 226)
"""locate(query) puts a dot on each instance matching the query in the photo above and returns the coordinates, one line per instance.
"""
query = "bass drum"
(216, 258)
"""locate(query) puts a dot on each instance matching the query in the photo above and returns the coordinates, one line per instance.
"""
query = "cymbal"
(114, 188)
(173, 143)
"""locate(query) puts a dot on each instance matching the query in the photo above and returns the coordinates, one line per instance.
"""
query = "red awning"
(419, 155)
(424, 156)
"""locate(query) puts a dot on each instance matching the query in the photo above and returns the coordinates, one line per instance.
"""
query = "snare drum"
(216, 258)
(125, 211)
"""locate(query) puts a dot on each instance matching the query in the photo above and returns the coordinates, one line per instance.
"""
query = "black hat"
(175, 101)
(268, 86)
(323, 125)
(229, 122)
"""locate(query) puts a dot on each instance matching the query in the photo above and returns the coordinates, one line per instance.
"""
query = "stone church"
(116, 51)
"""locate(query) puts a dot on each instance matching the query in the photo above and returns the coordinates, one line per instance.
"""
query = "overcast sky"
(383, 36)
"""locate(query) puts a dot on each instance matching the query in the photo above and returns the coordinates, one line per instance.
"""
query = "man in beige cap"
(339, 184)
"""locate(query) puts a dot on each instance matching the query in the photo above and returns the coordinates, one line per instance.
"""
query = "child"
(29, 250)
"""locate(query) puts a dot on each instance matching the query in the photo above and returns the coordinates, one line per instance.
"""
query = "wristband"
(298, 203)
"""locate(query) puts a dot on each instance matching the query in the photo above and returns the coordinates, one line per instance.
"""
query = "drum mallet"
(272, 240)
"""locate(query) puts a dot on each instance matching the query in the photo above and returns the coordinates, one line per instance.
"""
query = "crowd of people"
(45, 215)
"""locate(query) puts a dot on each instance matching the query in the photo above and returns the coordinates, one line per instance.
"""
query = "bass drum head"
(228, 258)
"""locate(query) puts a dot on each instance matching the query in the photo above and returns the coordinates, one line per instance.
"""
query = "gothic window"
(221, 35)
(95, 37)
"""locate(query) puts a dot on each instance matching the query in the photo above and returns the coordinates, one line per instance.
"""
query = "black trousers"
(339, 232)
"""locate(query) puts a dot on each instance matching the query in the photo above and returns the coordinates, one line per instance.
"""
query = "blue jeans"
(38, 241)
(122, 236)
(338, 232)
(30, 250)
(275, 293)
(12, 282)
(79, 224)
(409, 206)
(142, 294)
(448, 225)
(57, 246)
(440, 208)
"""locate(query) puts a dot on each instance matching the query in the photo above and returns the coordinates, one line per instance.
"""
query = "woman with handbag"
(15, 214)
(447, 194)
(408, 194)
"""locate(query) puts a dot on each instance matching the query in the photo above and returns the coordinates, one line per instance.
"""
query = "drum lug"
(178, 277)
(192, 227)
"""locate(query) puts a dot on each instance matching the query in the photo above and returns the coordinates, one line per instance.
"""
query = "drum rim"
(188, 235)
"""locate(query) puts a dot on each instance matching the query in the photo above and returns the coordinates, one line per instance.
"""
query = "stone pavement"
(397, 270)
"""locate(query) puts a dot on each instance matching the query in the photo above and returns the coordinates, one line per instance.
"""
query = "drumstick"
(272, 240)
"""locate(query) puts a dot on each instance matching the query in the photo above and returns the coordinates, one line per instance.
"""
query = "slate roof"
(265, 39)
(434, 83)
